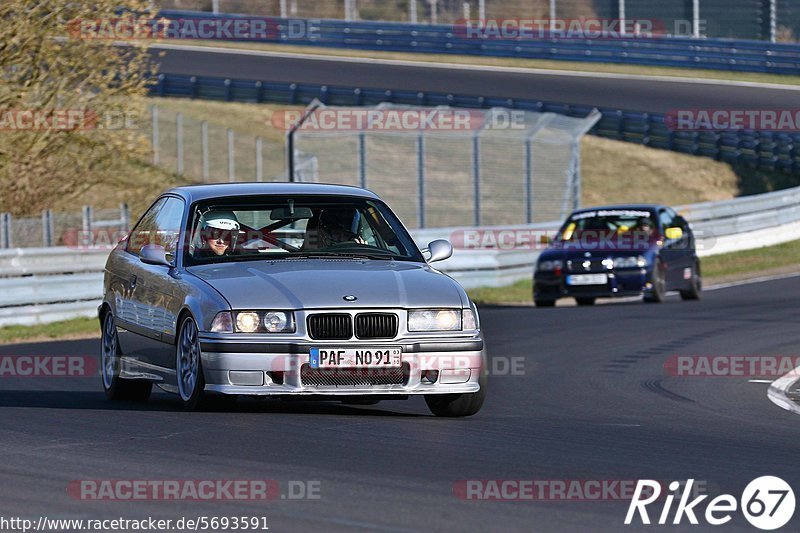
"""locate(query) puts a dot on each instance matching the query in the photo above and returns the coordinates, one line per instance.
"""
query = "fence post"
(421, 180)
(466, 9)
(283, 9)
(5, 230)
(528, 181)
(204, 136)
(553, 11)
(154, 115)
(621, 10)
(124, 217)
(362, 160)
(259, 159)
(87, 225)
(696, 19)
(482, 10)
(773, 21)
(47, 228)
(231, 157)
(179, 141)
(476, 176)
(434, 12)
(412, 11)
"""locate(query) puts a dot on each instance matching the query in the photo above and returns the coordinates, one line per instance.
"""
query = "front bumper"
(264, 367)
(627, 282)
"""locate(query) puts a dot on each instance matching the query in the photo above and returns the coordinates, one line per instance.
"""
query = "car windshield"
(608, 222)
(296, 227)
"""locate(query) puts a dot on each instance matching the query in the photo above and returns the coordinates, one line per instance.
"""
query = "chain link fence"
(500, 167)
(777, 20)
(87, 228)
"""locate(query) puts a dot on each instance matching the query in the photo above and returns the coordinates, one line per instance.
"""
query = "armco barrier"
(68, 283)
(765, 150)
(718, 54)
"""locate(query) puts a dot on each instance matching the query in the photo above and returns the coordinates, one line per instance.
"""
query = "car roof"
(634, 207)
(194, 193)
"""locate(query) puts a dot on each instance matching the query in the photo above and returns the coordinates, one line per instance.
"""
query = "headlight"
(630, 262)
(264, 322)
(547, 266)
(222, 323)
(468, 319)
(278, 322)
(247, 322)
(434, 320)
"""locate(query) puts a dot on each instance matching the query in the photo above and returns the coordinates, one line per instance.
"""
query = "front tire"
(659, 291)
(458, 405)
(115, 387)
(188, 366)
(695, 290)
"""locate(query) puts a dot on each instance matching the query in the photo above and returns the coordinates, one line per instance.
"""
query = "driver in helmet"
(338, 225)
(219, 231)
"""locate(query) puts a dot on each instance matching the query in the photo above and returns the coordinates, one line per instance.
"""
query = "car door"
(675, 251)
(157, 292)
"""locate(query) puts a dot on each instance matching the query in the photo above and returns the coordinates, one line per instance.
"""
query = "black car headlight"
(630, 262)
(549, 265)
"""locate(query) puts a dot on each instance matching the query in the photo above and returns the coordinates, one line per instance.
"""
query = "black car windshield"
(608, 222)
(272, 227)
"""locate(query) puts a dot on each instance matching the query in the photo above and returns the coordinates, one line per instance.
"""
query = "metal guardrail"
(774, 151)
(717, 54)
(46, 284)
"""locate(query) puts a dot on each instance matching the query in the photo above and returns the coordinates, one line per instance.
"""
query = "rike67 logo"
(767, 503)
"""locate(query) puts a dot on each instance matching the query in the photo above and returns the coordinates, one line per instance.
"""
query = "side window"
(145, 229)
(160, 225)
(168, 224)
(666, 218)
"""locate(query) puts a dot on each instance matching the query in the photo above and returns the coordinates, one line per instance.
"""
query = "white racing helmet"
(219, 225)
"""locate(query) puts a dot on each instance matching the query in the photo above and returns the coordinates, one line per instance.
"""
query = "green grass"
(75, 328)
(612, 68)
(738, 265)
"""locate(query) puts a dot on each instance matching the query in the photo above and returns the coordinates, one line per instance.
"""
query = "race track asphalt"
(592, 402)
(649, 95)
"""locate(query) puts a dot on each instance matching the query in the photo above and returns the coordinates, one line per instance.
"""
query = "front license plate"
(587, 279)
(355, 357)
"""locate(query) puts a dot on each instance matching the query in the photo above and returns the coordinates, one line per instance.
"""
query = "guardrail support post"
(421, 180)
(87, 225)
(47, 228)
(204, 136)
(259, 159)
(5, 230)
(231, 157)
(179, 141)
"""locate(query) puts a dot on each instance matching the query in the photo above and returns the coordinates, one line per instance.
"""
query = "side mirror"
(673, 233)
(155, 254)
(440, 250)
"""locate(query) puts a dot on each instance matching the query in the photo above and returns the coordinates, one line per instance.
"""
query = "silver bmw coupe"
(286, 290)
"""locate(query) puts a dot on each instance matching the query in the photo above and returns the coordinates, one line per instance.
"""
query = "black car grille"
(376, 326)
(330, 326)
(353, 377)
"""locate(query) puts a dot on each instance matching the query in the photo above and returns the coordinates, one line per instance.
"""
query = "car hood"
(323, 283)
